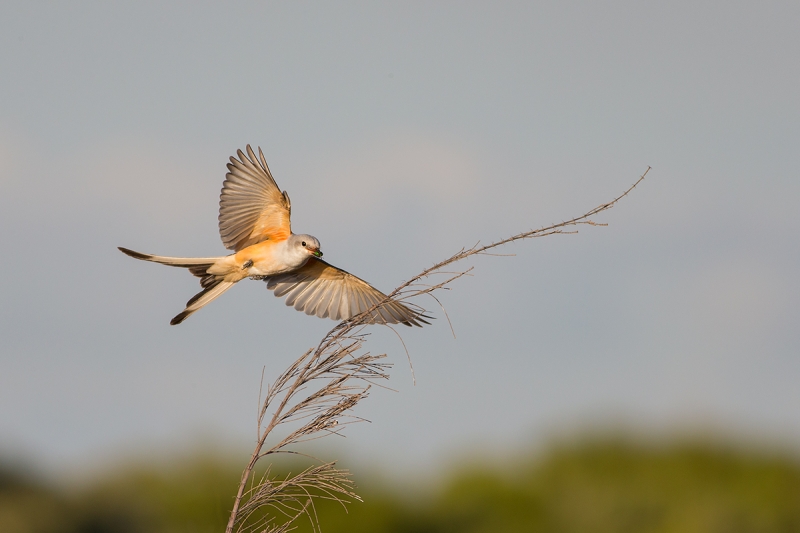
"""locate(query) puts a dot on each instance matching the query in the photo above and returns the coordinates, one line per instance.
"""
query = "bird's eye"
(304, 243)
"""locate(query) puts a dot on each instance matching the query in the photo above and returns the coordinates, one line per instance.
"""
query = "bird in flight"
(254, 222)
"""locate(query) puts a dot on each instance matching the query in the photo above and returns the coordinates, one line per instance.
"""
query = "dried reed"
(314, 397)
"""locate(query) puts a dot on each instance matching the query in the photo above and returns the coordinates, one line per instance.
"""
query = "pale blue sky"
(403, 132)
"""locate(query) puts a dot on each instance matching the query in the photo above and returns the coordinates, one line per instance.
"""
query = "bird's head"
(307, 243)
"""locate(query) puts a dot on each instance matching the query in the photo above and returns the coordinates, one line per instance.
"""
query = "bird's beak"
(317, 253)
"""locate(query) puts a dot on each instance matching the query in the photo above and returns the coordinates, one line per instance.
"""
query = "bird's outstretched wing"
(321, 289)
(251, 206)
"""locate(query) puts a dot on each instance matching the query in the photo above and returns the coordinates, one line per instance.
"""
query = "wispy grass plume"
(315, 397)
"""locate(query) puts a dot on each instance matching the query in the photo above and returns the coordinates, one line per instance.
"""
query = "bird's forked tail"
(213, 284)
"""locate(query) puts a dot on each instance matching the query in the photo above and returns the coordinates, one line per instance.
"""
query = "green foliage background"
(593, 486)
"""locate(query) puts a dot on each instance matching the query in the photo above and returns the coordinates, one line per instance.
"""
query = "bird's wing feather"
(319, 288)
(251, 206)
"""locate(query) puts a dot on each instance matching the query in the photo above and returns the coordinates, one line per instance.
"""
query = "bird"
(254, 222)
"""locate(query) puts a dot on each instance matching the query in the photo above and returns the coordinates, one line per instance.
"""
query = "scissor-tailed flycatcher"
(254, 223)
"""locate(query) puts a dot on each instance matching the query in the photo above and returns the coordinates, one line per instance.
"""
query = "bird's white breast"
(277, 259)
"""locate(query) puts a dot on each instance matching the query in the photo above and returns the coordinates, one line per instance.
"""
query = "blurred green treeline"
(594, 485)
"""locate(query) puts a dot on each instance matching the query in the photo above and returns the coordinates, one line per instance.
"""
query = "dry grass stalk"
(318, 391)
